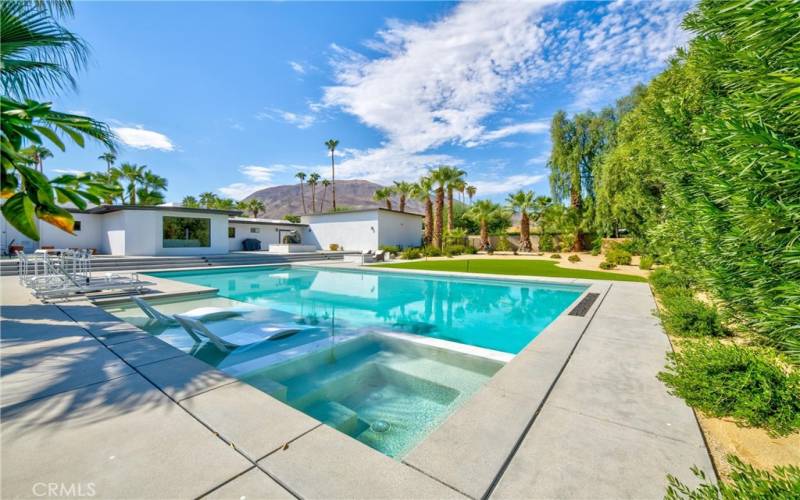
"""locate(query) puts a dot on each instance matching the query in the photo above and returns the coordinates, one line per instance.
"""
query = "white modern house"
(367, 229)
(173, 230)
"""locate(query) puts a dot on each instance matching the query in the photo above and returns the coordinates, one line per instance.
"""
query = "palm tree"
(133, 174)
(313, 179)
(208, 199)
(422, 192)
(384, 194)
(38, 54)
(37, 155)
(152, 190)
(190, 202)
(403, 190)
(302, 177)
(452, 179)
(522, 202)
(109, 158)
(255, 206)
(471, 190)
(332, 143)
(439, 179)
(325, 184)
(110, 180)
(482, 212)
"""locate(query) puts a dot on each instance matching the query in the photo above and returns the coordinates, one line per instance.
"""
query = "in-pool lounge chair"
(247, 336)
(199, 314)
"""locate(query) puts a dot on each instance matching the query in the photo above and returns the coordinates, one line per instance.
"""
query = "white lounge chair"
(199, 314)
(244, 337)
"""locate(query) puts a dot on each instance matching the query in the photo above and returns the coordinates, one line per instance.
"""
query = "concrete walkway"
(89, 402)
(609, 429)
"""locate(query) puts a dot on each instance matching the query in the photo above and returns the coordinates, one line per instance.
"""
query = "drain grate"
(584, 305)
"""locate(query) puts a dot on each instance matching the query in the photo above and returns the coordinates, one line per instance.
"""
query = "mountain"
(282, 200)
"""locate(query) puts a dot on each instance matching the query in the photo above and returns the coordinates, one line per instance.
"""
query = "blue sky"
(234, 97)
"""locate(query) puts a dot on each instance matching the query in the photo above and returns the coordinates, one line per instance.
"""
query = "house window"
(185, 232)
(76, 225)
(255, 230)
(231, 232)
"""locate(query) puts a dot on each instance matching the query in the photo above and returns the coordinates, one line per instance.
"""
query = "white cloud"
(258, 177)
(240, 190)
(70, 171)
(539, 159)
(297, 67)
(437, 82)
(385, 165)
(141, 138)
(538, 127)
(506, 185)
(299, 120)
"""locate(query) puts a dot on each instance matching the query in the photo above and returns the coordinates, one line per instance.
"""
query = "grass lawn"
(511, 267)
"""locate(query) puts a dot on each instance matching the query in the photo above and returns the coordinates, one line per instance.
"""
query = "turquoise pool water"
(384, 392)
(494, 314)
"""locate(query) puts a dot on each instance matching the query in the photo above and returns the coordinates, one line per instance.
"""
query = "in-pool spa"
(383, 357)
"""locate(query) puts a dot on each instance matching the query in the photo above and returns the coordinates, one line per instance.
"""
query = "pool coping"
(543, 359)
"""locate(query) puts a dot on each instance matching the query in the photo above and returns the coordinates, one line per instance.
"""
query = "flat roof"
(105, 209)
(271, 222)
(375, 209)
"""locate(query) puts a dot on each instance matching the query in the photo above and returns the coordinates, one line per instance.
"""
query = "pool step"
(335, 415)
(266, 384)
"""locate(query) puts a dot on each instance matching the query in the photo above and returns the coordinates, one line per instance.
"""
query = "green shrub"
(390, 248)
(607, 265)
(745, 482)
(470, 250)
(595, 251)
(503, 245)
(546, 243)
(745, 383)
(685, 316)
(431, 251)
(567, 242)
(451, 250)
(664, 279)
(646, 262)
(574, 258)
(618, 255)
(635, 246)
(411, 254)
(555, 256)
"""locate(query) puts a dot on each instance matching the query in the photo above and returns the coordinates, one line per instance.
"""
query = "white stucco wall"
(399, 229)
(112, 235)
(267, 234)
(89, 235)
(350, 230)
(364, 230)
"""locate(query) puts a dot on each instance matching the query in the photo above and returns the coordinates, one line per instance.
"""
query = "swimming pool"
(383, 357)
(502, 315)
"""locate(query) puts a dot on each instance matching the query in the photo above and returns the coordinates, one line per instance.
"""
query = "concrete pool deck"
(88, 399)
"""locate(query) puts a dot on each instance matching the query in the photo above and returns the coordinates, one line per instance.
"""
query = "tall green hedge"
(720, 129)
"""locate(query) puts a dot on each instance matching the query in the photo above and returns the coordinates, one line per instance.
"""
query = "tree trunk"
(402, 203)
(438, 218)
(450, 223)
(303, 197)
(322, 201)
(577, 204)
(428, 221)
(388, 204)
(484, 234)
(132, 194)
(333, 181)
(525, 233)
(313, 199)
